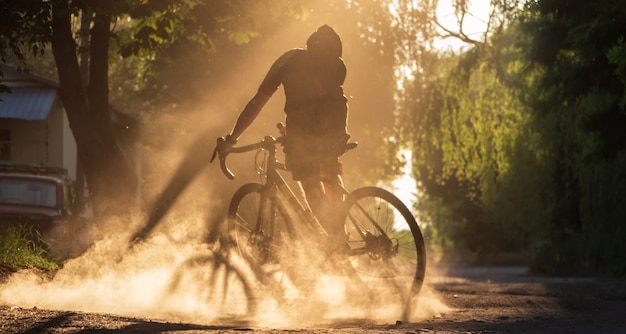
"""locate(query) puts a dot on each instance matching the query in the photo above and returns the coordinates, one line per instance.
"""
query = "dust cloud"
(174, 277)
(173, 274)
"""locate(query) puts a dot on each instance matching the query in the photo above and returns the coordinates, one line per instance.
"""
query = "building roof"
(29, 103)
(31, 96)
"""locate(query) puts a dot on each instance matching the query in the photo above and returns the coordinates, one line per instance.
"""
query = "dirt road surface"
(477, 300)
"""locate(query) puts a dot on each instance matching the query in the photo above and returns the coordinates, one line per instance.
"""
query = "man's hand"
(223, 146)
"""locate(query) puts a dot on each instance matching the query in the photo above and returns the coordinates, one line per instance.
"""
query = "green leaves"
(23, 25)
(528, 129)
(617, 57)
(18, 248)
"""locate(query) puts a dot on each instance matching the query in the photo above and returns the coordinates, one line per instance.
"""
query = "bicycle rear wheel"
(386, 246)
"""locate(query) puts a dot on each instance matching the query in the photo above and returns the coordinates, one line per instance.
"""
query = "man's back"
(315, 103)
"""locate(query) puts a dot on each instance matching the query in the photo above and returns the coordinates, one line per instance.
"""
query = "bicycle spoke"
(220, 283)
(386, 246)
(242, 223)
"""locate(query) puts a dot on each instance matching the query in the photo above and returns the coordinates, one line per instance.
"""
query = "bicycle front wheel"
(386, 246)
(219, 282)
(256, 223)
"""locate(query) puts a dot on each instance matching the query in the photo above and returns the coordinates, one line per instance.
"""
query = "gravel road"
(457, 300)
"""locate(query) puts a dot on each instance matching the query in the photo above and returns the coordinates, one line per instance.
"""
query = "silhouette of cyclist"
(316, 121)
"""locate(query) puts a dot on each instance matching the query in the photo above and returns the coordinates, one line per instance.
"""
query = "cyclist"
(316, 121)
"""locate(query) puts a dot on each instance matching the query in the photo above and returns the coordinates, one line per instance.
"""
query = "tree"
(109, 175)
(518, 141)
(463, 124)
(575, 78)
(157, 27)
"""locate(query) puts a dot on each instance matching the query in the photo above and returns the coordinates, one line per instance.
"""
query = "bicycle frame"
(275, 185)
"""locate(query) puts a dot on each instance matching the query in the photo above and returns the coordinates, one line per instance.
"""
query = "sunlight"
(404, 73)
(474, 24)
(405, 187)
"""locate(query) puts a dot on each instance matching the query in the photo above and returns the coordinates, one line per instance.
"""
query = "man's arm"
(246, 117)
(270, 83)
(249, 114)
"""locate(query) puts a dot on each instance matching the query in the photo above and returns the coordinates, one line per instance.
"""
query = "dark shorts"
(326, 168)
(308, 157)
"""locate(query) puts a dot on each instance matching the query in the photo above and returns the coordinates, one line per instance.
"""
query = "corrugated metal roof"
(29, 103)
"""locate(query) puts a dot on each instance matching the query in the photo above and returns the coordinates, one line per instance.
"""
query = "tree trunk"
(109, 175)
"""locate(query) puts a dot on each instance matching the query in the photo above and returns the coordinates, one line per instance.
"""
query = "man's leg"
(316, 198)
(333, 188)
(325, 200)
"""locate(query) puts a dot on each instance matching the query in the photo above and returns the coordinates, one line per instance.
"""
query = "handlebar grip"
(225, 169)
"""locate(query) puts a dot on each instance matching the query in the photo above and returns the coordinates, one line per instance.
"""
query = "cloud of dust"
(162, 278)
(173, 275)
(322, 294)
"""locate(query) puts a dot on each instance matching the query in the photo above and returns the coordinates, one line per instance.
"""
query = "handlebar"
(268, 143)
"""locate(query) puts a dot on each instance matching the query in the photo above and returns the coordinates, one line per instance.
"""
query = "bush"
(18, 248)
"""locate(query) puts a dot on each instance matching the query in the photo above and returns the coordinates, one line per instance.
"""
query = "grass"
(18, 248)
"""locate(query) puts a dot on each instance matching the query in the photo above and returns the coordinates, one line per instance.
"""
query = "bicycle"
(384, 254)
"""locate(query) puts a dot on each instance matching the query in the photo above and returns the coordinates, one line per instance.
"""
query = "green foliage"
(23, 25)
(469, 147)
(581, 89)
(155, 42)
(520, 142)
(444, 228)
(617, 57)
(156, 33)
(18, 248)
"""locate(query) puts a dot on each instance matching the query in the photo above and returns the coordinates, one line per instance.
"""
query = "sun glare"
(474, 23)
(405, 187)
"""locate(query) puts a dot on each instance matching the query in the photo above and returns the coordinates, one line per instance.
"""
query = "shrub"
(18, 248)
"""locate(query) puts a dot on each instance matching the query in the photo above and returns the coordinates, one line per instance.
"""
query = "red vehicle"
(41, 198)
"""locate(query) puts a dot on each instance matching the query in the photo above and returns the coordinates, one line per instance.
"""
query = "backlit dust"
(174, 275)
(145, 281)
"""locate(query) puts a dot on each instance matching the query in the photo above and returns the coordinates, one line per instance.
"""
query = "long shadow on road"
(73, 322)
(507, 300)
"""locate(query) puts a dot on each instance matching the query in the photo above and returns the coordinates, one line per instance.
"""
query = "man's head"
(324, 42)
